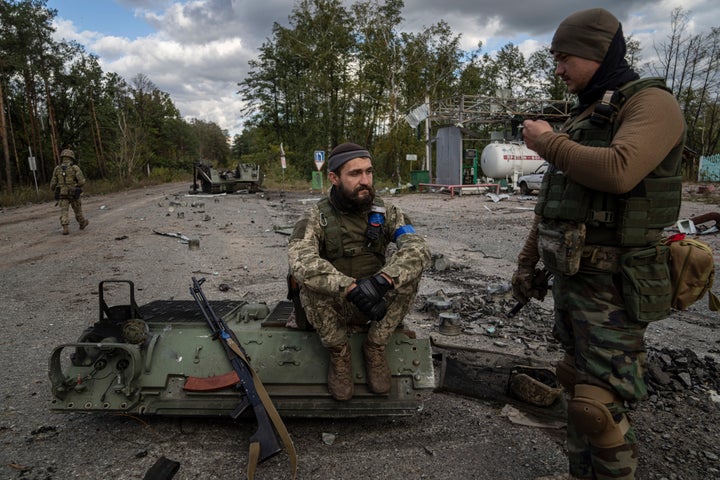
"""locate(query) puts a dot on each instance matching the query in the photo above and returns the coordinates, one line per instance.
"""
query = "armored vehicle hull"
(160, 359)
(246, 176)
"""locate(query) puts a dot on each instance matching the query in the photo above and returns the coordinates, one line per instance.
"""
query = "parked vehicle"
(528, 183)
(246, 176)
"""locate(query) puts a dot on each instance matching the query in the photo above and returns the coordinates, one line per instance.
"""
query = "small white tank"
(502, 160)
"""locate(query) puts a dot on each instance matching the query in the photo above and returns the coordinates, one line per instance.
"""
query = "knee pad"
(588, 412)
(565, 372)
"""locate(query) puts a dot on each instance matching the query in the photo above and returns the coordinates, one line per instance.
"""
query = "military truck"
(208, 179)
(161, 358)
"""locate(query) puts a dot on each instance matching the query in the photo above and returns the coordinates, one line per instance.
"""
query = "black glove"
(78, 192)
(377, 312)
(529, 282)
(368, 295)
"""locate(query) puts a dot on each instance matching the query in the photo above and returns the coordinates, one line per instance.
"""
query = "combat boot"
(66, 230)
(376, 367)
(84, 224)
(340, 380)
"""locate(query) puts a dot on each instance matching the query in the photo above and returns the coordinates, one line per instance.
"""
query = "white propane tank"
(502, 160)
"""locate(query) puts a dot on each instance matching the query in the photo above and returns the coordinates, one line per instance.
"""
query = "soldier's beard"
(351, 201)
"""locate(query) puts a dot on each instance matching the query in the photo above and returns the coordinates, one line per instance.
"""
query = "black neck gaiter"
(614, 71)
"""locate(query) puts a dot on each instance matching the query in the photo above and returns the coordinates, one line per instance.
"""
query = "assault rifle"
(264, 442)
(541, 283)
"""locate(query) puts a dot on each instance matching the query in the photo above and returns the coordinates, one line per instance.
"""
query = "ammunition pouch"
(560, 245)
(588, 412)
(601, 258)
(57, 193)
(692, 269)
(646, 283)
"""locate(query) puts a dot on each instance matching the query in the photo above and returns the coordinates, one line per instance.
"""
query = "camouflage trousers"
(608, 349)
(76, 205)
(331, 316)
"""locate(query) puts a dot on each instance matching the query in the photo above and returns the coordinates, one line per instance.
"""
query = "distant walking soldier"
(67, 182)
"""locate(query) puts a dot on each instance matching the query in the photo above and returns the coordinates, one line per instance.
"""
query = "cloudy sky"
(198, 50)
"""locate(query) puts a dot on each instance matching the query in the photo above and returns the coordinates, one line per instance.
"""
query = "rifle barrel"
(265, 434)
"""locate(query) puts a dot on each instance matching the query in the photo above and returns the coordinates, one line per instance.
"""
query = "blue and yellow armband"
(402, 231)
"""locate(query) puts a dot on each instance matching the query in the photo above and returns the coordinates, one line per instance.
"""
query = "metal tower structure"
(474, 109)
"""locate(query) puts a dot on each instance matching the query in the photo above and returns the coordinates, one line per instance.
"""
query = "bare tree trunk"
(97, 138)
(53, 127)
(6, 149)
(34, 137)
(12, 131)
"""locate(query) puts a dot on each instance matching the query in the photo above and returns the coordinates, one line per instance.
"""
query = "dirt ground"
(49, 285)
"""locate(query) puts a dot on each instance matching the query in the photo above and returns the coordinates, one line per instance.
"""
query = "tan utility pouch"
(560, 245)
(646, 284)
(692, 269)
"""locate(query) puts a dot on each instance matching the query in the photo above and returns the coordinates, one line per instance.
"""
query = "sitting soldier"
(337, 254)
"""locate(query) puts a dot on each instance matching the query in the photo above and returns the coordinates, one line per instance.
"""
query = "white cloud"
(66, 29)
(201, 48)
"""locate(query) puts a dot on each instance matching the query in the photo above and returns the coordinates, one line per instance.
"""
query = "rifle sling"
(272, 413)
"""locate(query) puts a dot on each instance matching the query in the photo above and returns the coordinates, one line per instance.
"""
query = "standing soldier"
(613, 185)
(337, 254)
(67, 182)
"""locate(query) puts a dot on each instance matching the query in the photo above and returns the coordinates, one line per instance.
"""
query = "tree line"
(53, 95)
(335, 73)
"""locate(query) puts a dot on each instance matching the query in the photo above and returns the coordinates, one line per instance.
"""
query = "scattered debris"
(522, 418)
(497, 198)
(449, 323)
(699, 220)
(19, 467)
(694, 225)
(163, 469)
(183, 238)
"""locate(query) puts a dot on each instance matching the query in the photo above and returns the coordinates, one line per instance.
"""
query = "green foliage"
(162, 175)
(57, 96)
(23, 195)
(336, 72)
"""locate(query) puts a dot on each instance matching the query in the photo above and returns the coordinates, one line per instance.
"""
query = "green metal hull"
(245, 176)
(105, 372)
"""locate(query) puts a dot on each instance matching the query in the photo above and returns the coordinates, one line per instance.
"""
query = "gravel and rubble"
(50, 281)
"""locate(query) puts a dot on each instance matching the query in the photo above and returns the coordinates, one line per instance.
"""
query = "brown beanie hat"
(345, 152)
(586, 34)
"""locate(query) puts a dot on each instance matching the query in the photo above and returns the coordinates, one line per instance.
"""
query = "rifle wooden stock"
(264, 442)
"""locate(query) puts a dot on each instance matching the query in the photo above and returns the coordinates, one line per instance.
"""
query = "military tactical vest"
(345, 244)
(636, 218)
(66, 177)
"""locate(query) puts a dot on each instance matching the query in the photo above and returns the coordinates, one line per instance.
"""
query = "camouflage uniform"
(67, 182)
(613, 184)
(324, 282)
(607, 349)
